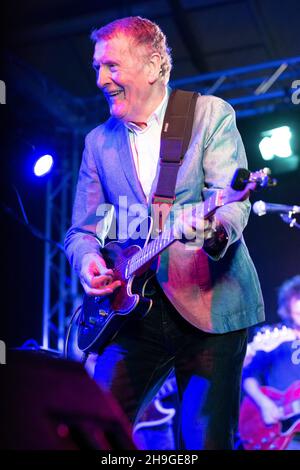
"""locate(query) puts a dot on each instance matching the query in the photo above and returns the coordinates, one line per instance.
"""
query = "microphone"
(262, 208)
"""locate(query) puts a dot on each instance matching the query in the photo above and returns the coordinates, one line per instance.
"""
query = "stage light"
(276, 143)
(43, 165)
(266, 148)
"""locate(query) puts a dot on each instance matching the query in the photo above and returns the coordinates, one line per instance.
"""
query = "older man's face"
(122, 75)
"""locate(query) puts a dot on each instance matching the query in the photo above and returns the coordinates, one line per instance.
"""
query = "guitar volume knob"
(102, 313)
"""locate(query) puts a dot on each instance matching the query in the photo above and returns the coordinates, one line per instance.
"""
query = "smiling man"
(216, 284)
(128, 78)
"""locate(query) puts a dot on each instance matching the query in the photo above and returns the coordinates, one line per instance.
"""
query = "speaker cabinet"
(52, 404)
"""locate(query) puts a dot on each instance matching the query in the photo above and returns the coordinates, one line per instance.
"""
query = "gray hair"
(144, 33)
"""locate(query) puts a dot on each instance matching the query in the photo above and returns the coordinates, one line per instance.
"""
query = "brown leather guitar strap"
(175, 138)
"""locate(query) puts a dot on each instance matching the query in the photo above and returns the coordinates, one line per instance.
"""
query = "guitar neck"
(166, 238)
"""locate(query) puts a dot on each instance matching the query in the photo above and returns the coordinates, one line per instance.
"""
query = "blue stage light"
(43, 165)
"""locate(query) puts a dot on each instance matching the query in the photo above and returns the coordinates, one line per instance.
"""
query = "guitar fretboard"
(166, 238)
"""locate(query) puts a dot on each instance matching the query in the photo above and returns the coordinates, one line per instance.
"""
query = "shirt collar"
(157, 115)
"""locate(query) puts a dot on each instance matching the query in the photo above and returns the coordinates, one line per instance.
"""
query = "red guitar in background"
(256, 435)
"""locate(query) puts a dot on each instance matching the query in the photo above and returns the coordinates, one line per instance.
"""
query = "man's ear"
(154, 66)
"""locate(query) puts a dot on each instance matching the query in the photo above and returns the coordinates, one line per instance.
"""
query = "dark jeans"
(207, 367)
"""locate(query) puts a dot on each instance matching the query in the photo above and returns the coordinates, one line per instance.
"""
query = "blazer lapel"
(126, 163)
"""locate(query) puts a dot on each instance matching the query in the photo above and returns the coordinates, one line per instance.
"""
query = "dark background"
(51, 40)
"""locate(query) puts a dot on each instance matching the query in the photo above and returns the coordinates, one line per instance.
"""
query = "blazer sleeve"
(89, 220)
(223, 153)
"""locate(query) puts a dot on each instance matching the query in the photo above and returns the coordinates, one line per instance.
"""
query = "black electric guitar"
(102, 317)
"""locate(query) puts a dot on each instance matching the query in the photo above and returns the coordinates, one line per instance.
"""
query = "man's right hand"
(271, 413)
(95, 277)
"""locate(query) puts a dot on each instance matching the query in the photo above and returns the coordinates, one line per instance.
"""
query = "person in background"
(277, 365)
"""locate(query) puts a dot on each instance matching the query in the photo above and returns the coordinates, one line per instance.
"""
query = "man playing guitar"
(202, 297)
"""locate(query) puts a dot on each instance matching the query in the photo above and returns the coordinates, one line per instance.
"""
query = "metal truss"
(42, 105)
(61, 295)
(251, 90)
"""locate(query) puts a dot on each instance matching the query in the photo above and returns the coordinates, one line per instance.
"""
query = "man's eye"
(113, 67)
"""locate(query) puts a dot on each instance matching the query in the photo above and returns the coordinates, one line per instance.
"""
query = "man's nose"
(103, 78)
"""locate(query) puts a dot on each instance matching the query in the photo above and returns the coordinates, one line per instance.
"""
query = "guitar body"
(102, 317)
(256, 435)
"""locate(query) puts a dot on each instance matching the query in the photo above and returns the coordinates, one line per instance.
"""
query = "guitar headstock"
(269, 338)
(260, 179)
(244, 181)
